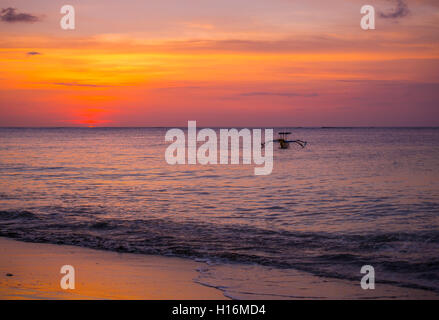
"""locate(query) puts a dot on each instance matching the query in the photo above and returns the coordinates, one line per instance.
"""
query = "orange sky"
(222, 63)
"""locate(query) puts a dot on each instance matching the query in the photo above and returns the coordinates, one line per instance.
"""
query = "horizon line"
(217, 127)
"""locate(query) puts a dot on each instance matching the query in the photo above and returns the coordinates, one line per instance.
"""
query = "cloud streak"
(10, 15)
(278, 94)
(400, 11)
(75, 84)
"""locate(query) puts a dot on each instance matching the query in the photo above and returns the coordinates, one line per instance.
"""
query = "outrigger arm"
(299, 142)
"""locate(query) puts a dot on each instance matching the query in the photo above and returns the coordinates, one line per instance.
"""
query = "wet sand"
(260, 282)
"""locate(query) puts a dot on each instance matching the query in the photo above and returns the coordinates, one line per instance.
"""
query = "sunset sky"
(219, 62)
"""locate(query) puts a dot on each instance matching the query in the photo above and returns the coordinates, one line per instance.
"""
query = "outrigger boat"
(284, 143)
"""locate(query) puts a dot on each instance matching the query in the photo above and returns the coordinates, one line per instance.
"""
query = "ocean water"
(353, 196)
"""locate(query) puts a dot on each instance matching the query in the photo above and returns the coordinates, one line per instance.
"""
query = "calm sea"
(353, 196)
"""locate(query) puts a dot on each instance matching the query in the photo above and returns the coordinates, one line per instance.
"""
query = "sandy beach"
(35, 270)
(32, 271)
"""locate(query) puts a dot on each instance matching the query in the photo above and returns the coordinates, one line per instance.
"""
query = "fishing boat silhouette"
(283, 141)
